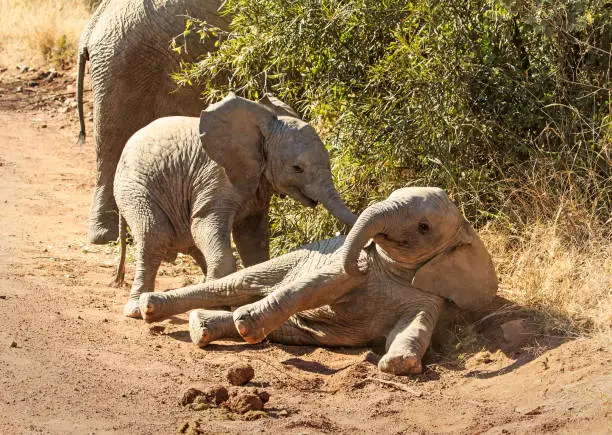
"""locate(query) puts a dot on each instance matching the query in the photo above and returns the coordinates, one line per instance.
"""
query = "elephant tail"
(120, 273)
(83, 56)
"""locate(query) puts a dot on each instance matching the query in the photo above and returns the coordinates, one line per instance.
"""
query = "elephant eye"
(298, 169)
(423, 227)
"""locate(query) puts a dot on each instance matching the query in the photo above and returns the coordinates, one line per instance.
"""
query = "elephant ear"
(232, 132)
(463, 274)
(280, 107)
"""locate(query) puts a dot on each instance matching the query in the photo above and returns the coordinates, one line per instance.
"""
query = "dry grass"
(41, 31)
(566, 280)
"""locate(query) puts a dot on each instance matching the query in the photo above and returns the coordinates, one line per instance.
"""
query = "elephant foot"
(153, 307)
(99, 234)
(247, 326)
(131, 309)
(206, 326)
(406, 364)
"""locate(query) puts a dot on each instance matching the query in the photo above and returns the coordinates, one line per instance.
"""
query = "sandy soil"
(71, 363)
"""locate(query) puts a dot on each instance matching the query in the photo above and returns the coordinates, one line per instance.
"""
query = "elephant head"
(421, 230)
(254, 139)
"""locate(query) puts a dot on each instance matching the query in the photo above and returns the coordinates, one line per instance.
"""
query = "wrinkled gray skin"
(127, 43)
(349, 292)
(186, 184)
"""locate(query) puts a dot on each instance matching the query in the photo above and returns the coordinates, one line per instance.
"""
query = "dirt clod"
(240, 374)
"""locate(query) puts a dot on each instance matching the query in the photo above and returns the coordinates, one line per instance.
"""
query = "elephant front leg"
(211, 235)
(252, 238)
(243, 287)
(409, 339)
(256, 320)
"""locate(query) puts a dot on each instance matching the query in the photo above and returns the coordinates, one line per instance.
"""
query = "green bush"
(506, 105)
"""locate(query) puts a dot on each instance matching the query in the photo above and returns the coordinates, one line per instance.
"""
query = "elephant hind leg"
(206, 326)
(153, 236)
(147, 265)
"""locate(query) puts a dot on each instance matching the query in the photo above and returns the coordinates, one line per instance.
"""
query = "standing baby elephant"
(185, 184)
(351, 292)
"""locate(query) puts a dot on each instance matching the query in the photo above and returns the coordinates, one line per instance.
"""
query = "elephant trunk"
(369, 224)
(330, 199)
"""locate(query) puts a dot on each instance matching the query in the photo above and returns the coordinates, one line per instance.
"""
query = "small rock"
(517, 332)
(240, 374)
(19, 89)
(2, 296)
(190, 395)
(283, 413)
(14, 344)
(43, 126)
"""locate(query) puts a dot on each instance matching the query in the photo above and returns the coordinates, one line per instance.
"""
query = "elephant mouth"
(300, 196)
(400, 252)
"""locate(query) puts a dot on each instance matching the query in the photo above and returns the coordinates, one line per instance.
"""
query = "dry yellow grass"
(41, 31)
(568, 281)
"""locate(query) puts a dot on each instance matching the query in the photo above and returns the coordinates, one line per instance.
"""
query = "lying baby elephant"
(341, 292)
(186, 184)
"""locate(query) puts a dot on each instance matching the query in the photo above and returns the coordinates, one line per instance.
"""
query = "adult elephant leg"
(252, 238)
(243, 287)
(256, 320)
(211, 235)
(109, 140)
(409, 339)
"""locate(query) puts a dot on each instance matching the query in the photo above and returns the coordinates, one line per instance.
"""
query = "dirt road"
(71, 363)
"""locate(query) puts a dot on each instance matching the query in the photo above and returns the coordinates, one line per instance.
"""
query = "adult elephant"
(350, 292)
(127, 43)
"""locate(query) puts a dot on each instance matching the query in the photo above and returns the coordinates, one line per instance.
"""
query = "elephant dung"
(240, 374)
(190, 395)
(243, 402)
(214, 395)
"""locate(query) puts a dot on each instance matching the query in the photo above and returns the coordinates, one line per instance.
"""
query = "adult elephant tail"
(83, 57)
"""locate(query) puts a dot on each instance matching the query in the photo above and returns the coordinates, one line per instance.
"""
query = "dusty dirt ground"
(71, 363)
